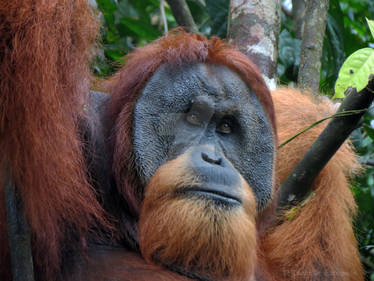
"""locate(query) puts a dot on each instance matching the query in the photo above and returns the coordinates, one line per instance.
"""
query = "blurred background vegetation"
(131, 23)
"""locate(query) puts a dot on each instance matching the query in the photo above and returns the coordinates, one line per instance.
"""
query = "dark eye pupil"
(193, 119)
(225, 127)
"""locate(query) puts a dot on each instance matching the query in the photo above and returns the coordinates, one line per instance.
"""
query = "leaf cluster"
(128, 24)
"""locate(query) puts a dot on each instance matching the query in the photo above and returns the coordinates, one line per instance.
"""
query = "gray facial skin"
(203, 104)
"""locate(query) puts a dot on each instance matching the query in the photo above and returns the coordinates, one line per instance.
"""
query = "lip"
(218, 194)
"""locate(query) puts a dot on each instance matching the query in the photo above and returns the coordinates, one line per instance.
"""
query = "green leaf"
(369, 131)
(371, 26)
(355, 71)
(108, 8)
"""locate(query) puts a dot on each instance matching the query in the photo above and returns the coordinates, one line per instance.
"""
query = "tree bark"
(254, 28)
(311, 47)
(183, 15)
(298, 14)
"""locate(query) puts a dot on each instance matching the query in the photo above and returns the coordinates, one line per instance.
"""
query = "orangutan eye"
(193, 119)
(225, 127)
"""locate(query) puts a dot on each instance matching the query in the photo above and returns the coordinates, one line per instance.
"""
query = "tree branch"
(298, 14)
(19, 236)
(183, 15)
(311, 47)
(298, 184)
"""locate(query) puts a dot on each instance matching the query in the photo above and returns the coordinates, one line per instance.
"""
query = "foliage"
(371, 26)
(127, 24)
(363, 189)
(346, 32)
(131, 23)
(356, 70)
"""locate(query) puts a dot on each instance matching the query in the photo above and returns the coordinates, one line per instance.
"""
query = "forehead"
(179, 82)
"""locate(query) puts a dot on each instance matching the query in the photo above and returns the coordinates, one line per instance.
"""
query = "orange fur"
(319, 243)
(121, 265)
(192, 235)
(45, 47)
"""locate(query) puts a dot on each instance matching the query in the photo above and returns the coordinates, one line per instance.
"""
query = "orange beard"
(193, 234)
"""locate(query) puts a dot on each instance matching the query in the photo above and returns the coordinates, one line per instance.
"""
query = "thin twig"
(340, 114)
(163, 16)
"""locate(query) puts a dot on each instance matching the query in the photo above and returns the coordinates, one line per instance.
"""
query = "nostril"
(212, 160)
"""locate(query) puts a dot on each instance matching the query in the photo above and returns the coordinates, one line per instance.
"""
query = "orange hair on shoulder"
(45, 47)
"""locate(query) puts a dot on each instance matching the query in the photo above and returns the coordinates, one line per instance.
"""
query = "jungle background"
(128, 24)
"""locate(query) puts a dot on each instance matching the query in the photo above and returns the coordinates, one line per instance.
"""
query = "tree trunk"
(254, 28)
(311, 47)
(298, 14)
